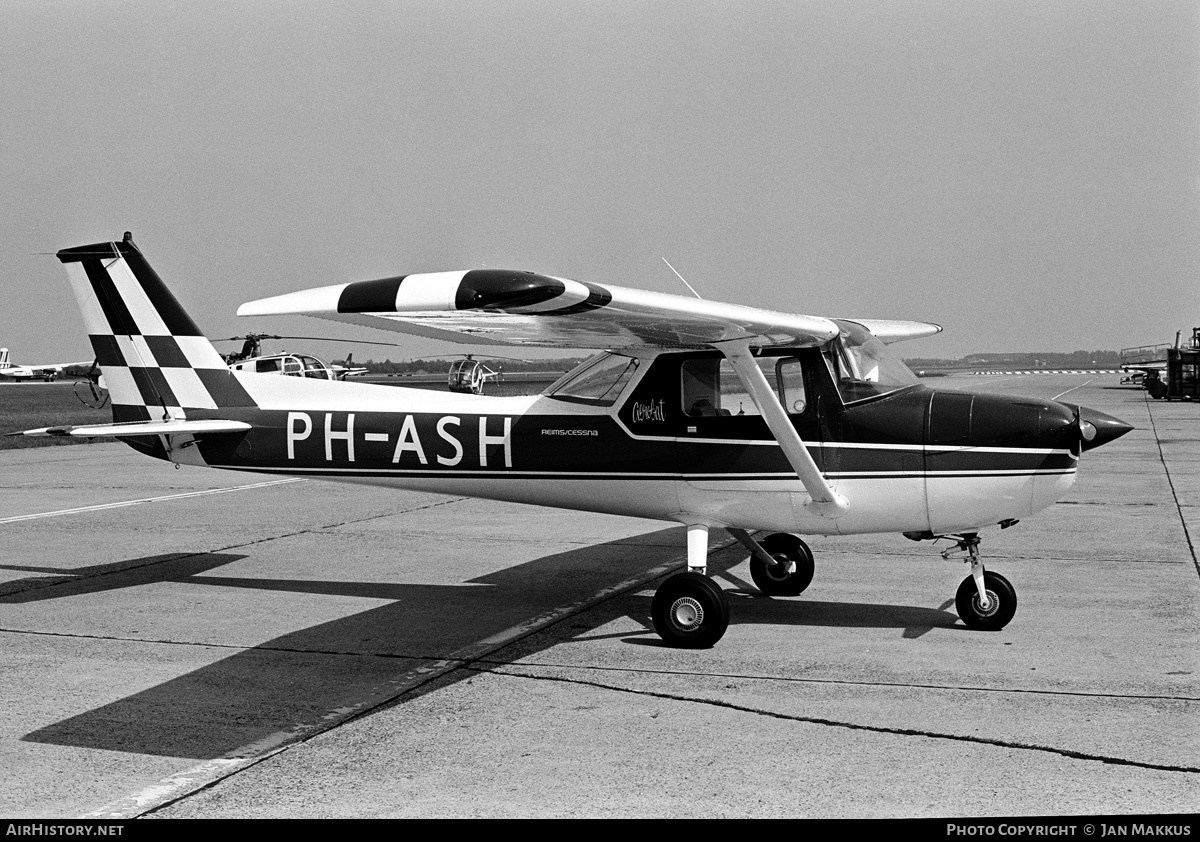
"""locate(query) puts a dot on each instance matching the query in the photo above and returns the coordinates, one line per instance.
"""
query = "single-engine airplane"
(47, 372)
(706, 414)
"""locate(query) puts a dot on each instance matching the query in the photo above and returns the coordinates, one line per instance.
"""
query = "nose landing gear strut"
(985, 601)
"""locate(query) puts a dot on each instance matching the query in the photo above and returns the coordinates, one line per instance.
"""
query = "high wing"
(889, 331)
(506, 307)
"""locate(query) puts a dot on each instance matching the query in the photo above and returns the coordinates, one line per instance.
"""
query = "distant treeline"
(439, 366)
(1037, 359)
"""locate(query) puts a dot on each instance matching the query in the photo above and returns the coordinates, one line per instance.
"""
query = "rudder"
(156, 362)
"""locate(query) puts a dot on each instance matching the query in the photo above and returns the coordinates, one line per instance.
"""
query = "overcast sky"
(1026, 174)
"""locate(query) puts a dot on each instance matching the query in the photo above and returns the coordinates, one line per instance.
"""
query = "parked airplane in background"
(251, 359)
(349, 369)
(714, 416)
(48, 372)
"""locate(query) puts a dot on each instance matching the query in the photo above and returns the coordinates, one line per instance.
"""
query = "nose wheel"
(1001, 604)
(985, 601)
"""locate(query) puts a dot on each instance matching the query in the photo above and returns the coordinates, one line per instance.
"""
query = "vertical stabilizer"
(156, 362)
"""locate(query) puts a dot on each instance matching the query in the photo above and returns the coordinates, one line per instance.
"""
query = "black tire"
(774, 580)
(690, 611)
(1000, 593)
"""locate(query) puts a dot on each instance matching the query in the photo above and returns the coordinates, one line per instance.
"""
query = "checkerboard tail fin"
(156, 362)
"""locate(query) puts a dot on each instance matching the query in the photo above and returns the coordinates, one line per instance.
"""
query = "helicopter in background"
(469, 375)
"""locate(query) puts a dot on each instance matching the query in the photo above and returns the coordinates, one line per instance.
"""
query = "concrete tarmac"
(193, 643)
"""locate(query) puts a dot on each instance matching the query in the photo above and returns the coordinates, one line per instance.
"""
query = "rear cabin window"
(710, 386)
(598, 381)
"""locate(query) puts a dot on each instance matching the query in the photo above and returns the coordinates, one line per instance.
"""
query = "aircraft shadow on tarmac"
(60, 583)
(295, 682)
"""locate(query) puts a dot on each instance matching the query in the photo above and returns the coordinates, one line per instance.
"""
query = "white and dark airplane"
(47, 372)
(714, 416)
(252, 360)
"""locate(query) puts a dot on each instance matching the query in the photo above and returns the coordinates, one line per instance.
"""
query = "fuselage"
(668, 439)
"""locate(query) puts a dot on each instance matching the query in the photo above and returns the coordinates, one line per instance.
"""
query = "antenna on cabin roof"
(685, 283)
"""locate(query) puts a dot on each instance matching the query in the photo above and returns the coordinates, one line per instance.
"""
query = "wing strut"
(825, 501)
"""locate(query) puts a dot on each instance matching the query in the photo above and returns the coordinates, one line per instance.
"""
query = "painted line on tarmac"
(182, 784)
(101, 506)
(1073, 388)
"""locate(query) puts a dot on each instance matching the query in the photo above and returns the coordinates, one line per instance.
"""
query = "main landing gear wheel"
(776, 579)
(1002, 602)
(690, 611)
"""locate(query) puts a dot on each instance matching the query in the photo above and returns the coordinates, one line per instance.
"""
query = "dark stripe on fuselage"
(790, 479)
(377, 296)
(449, 444)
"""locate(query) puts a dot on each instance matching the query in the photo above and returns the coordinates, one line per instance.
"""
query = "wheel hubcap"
(993, 604)
(687, 614)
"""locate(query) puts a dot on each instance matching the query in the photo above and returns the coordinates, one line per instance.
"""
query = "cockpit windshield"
(598, 381)
(863, 367)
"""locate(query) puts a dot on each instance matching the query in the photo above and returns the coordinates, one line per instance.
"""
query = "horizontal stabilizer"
(140, 428)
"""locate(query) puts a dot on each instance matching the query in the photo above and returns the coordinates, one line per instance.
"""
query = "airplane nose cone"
(1097, 428)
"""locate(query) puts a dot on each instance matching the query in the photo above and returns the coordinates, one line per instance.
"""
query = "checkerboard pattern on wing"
(156, 362)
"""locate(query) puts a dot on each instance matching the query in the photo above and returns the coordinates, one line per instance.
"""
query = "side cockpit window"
(710, 387)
